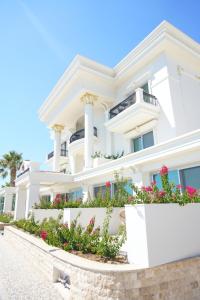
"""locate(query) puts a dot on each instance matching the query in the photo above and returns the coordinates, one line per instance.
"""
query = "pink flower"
(191, 191)
(153, 183)
(108, 184)
(92, 221)
(148, 189)
(164, 171)
(162, 193)
(43, 235)
(179, 186)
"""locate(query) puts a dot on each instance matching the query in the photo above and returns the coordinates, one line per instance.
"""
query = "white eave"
(78, 63)
(164, 31)
(141, 53)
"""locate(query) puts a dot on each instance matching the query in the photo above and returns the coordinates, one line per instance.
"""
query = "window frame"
(141, 136)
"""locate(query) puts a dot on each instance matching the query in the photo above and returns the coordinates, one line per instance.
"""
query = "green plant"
(114, 156)
(97, 154)
(109, 245)
(75, 237)
(6, 218)
(169, 194)
(9, 164)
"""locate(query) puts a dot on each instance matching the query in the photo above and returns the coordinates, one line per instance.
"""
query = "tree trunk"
(13, 173)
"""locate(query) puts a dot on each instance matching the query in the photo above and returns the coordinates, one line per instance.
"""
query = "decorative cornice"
(57, 127)
(88, 98)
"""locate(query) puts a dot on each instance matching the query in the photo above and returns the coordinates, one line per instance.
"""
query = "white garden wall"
(98, 212)
(162, 233)
(41, 214)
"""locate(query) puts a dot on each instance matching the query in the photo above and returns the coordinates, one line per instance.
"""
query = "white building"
(147, 108)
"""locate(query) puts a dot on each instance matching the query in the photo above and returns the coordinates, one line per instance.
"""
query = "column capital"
(57, 127)
(89, 98)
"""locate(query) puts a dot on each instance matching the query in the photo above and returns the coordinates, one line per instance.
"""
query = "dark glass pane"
(145, 87)
(148, 140)
(137, 144)
(172, 175)
(191, 177)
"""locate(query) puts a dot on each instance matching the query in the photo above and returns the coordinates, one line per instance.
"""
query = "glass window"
(143, 142)
(75, 195)
(137, 144)
(148, 140)
(99, 191)
(190, 177)
(145, 87)
(13, 202)
(1, 204)
(172, 175)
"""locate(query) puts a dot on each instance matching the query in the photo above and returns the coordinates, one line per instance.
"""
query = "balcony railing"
(148, 98)
(23, 172)
(80, 134)
(50, 155)
(122, 105)
(63, 152)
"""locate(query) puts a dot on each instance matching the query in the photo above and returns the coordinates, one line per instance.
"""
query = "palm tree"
(9, 164)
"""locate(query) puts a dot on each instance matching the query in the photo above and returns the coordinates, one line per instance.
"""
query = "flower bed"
(6, 218)
(77, 238)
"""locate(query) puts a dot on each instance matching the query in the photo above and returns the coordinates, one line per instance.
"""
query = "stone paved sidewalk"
(19, 279)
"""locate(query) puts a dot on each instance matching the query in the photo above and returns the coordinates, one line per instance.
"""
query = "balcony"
(137, 109)
(63, 153)
(76, 142)
(80, 134)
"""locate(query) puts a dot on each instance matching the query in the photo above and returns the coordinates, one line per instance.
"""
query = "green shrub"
(6, 218)
(86, 240)
(170, 193)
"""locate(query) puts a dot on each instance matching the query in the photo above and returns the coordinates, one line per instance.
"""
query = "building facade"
(130, 120)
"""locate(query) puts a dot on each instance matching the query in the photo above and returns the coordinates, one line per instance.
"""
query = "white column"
(20, 203)
(8, 198)
(57, 146)
(139, 95)
(32, 197)
(72, 163)
(108, 137)
(87, 192)
(89, 100)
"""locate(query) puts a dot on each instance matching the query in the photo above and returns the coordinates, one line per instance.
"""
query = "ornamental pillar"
(57, 146)
(20, 204)
(32, 197)
(88, 100)
(8, 199)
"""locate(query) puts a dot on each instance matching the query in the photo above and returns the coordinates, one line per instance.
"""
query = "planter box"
(98, 212)
(41, 214)
(162, 233)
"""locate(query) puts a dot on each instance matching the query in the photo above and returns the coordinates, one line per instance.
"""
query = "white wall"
(162, 233)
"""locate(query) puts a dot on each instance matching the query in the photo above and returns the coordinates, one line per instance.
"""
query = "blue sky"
(40, 38)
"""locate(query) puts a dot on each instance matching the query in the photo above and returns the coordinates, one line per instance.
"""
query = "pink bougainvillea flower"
(108, 184)
(191, 191)
(92, 221)
(164, 171)
(148, 189)
(43, 235)
(153, 183)
(162, 193)
(179, 186)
